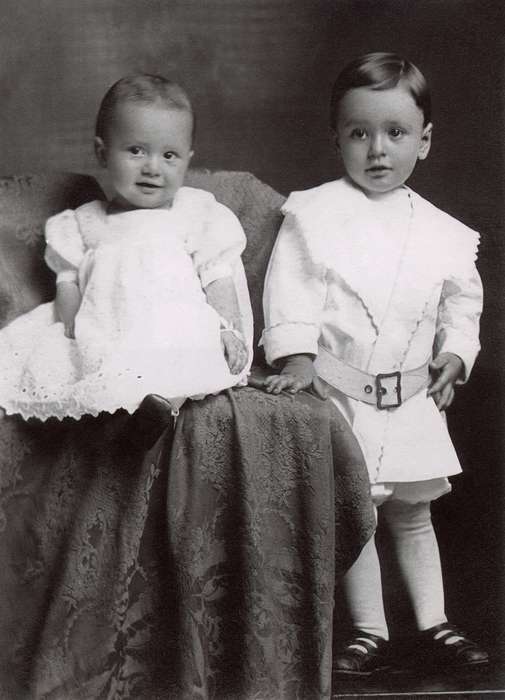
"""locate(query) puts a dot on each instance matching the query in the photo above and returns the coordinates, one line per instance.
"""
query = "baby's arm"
(222, 296)
(63, 255)
(67, 302)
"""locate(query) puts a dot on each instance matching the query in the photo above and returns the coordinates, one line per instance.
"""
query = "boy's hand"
(446, 369)
(298, 373)
(234, 350)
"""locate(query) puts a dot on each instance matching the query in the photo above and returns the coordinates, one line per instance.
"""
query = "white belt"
(388, 390)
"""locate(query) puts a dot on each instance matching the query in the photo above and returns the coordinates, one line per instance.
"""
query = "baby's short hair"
(381, 71)
(144, 88)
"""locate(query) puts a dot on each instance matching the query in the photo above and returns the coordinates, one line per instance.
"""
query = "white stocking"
(419, 559)
(363, 590)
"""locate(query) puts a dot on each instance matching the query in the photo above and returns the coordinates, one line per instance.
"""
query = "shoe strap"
(450, 636)
(363, 644)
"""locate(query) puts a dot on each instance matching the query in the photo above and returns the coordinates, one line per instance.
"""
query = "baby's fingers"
(235, 352)
(238, 360)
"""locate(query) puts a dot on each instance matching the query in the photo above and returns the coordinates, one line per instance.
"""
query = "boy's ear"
(425, 146)
(100, 152)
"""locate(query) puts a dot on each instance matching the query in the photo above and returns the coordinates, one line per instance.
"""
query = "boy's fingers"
(447, 397)
(275, 385)
(319, 389)
(297, 386)
(440, 382)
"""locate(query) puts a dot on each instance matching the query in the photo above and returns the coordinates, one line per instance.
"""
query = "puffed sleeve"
(459, 314)
(219, 245)
(64, 246)
(294, 295)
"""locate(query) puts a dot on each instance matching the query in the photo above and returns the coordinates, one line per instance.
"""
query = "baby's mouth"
(377, 169)
(148, 185)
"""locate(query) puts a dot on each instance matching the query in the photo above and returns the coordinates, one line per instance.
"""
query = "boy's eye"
(358, 134)
(135, 150)
(396, 132)
(169, 155)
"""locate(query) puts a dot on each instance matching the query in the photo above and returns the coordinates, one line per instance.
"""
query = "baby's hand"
(446, 368)
(234, 350)
(298, 373)
(69, 330)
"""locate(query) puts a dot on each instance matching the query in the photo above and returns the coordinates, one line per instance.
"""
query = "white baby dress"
(144, 325)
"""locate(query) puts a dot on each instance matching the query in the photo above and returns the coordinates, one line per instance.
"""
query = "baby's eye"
(395, 132)
(169, 155)
(135, 150)
(359, 134)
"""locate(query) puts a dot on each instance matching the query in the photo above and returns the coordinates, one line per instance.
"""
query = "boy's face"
(380, 136)
(147, 152)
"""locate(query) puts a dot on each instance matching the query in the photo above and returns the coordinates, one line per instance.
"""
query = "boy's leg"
(419, 559)
(362, 654)
(362, 586)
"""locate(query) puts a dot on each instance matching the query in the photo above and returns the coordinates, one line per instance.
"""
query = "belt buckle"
(385, 388)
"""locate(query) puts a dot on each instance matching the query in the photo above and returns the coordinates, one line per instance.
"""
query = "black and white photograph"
(252, 349)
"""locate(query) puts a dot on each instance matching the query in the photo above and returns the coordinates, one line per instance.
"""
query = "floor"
(479, 682)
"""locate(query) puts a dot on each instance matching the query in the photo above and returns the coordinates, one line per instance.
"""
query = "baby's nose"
(151, 165)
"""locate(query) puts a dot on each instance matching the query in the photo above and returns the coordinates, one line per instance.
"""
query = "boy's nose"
(376, 147)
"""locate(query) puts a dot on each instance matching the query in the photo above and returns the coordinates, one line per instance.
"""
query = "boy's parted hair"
(381, 71)
(144, 88)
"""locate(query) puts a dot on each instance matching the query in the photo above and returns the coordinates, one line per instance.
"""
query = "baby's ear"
(100, 152)
(425, 146)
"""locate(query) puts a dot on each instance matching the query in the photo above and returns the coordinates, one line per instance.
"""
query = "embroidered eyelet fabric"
(143, 325)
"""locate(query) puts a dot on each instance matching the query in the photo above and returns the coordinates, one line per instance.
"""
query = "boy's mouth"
(377, 169)
(148, 185)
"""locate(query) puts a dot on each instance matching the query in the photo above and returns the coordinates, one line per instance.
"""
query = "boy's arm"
(67, 302)
(222, 296)
(297, 373)
(457, 338)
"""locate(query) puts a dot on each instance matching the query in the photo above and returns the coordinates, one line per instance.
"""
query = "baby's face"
(380, 136)
(146, 153)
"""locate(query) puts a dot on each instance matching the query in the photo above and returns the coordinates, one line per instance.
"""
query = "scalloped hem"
(76, 414)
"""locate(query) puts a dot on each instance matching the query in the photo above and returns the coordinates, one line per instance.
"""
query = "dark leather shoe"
(148, 422)
(446, 646)
(362, 655)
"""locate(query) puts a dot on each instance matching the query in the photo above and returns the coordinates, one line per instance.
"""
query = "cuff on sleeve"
(464, 348)
(67, 276)
(215, 272)
(289, 339)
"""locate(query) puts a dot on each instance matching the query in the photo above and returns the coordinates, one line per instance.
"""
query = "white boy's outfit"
(144, 325)
(376, 287)
(383, 286)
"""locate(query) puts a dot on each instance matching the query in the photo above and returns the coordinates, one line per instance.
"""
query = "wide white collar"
(338, 221)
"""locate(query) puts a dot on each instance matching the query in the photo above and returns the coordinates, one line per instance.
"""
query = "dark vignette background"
(260, 72)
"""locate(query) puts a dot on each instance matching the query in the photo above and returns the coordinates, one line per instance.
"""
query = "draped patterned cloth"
(202, 568)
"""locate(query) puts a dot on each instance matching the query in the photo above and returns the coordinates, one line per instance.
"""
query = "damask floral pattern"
(202, 569)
